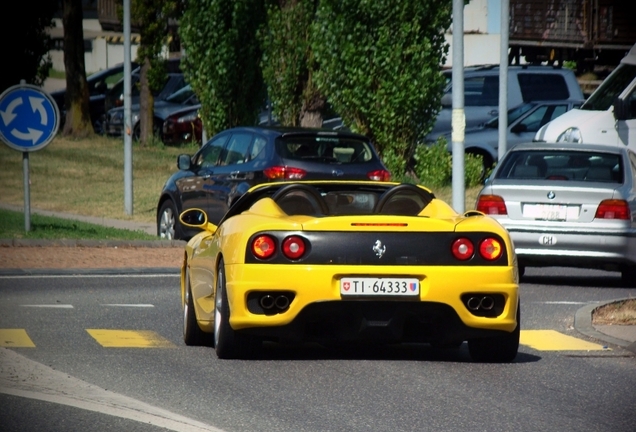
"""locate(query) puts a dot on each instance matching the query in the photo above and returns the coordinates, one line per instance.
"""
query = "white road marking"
(20, 376)
(129, 305)
(54, 306)
(564, 302)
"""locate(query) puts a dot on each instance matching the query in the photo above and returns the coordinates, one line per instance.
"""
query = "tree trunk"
(78, 122)
(146, 105)
(311, 113)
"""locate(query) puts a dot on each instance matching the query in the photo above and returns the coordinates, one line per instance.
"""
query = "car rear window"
(542, 86)
(563, 165)
(343, 150)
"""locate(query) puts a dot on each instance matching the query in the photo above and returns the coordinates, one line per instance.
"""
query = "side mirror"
(621, 109)
(447, 100)
(518, 128)
(184, 162)
(196, 218)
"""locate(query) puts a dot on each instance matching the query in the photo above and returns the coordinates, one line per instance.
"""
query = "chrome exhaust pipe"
(487, 303)
(473, 303)
(267, 301)
(282, 302)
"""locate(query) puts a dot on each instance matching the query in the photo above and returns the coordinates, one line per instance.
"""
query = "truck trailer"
(588, 32)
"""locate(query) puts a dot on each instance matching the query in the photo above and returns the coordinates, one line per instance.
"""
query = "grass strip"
(52, 228)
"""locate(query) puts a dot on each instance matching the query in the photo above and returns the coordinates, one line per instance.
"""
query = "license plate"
(355, 286)
(548, 211)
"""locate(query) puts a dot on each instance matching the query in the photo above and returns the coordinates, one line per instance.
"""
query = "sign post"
(29, 120)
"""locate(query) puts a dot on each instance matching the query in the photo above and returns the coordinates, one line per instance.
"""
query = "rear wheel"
(628, 276)
(192, 333)
(498, 349)
(227, 342)
(168, 226)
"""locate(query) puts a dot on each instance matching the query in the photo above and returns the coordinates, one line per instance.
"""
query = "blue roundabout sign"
(29, 118)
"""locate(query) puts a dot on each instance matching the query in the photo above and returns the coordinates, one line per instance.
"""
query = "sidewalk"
(621, 335)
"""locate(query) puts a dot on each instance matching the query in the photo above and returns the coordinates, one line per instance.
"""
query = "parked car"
(182, 126)
(567, 204)
(173, 82)
(342, 262)
(239, 158)
(177, 101)
(98, 85)
(115, 96)
(525, 84)
(523, 122)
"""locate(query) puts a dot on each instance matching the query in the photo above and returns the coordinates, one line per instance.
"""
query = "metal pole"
(27, 192)
(503, 80)
(128, 171)
(458, 121)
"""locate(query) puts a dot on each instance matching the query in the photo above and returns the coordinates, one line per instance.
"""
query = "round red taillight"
(263, 246)
(294, 247)
(490, 249)
(463, 249)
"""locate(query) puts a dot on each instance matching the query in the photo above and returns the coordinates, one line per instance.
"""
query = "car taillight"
(613, 209)
(490, 249)
(492, 205)
(294, 247)
(463, 249)
(263, 246)
(379, 175)
(284, 172)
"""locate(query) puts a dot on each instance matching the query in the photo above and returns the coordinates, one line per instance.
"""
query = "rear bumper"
(318, 311)
(574, 248)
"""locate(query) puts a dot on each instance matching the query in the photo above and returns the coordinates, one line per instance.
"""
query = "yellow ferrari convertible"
(349, 262)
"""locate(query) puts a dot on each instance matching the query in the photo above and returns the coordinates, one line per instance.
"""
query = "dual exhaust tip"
(280, 302)
(480, 303)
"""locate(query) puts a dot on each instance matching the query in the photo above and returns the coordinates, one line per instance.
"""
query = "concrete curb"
(92, 243)
(168, 271)
(583, 324)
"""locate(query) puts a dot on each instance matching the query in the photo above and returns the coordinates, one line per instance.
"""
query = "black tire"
(628, 276)
(157, 131)
(192, 333)
(228, 344)
(498, 349)
(168, 226)
(447, 345)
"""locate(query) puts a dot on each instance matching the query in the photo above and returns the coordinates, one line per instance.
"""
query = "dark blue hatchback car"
(236, 159)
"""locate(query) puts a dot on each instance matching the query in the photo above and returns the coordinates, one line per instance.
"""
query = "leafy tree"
(288, 64)
(27, 44)
(152, 18)
(379, 68)
(77, 122)
(222, 59)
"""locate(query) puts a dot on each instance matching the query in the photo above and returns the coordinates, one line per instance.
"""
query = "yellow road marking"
(551, 340)
(129, 339)
(15, 338)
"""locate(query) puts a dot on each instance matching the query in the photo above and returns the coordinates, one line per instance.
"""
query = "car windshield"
(181, 95)
(343, 150)
(603, 98)
(570, 165)
(513, 114)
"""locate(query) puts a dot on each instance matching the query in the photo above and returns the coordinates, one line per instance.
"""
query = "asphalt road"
(560, 381)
